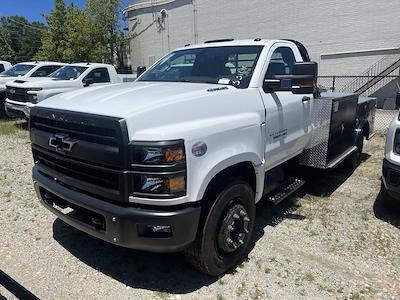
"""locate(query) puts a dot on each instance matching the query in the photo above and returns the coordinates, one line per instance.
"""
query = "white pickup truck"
(23, 94)
(390, 187)
(178, 159)
(22, 71)
(4, 66)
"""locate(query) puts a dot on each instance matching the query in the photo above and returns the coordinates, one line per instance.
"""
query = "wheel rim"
(234, 229)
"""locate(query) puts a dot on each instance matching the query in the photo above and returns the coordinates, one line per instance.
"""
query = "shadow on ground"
(322, 183)
(387, 213)
(168, 272)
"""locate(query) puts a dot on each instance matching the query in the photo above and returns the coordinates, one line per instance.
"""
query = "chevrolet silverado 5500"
(23, 94)
(178, 159)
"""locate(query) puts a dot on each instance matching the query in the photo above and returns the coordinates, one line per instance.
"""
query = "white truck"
(22, 71)
(178, 159)
(390, 188)
(23, 94)
(4, 66)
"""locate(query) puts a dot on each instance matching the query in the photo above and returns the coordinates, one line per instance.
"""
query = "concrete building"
(345, 37)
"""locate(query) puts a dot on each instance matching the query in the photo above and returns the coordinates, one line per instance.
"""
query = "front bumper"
(122, 225)
(391, 179)
(16, 109)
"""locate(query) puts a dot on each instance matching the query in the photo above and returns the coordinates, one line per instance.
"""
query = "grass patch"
(309, 277)
(12, 127)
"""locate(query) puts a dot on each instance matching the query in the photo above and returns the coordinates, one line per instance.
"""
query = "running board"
(333, 163)
(285, 190)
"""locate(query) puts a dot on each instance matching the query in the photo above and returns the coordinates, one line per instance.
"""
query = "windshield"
(18, 70)
(220, 65)
(68, 72)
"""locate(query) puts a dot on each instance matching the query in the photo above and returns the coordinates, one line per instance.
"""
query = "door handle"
(305, 99)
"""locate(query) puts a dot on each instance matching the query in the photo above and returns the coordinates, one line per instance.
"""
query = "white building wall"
(324, 26)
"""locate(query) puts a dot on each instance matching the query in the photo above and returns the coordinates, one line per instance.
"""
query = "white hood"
(124, 100)
(42, 82)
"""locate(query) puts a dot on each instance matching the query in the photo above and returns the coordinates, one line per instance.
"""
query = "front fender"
(225, 149)
(231, 161)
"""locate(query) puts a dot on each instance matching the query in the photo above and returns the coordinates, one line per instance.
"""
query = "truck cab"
(177, 160)
(22, 71)
(23, 94)
(4, 66)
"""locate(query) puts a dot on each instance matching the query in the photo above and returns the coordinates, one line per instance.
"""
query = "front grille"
(87, 174)
(95, 165)
(17, 94)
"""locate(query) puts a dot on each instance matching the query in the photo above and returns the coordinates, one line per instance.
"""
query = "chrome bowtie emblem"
(62, 142)
(12, 91)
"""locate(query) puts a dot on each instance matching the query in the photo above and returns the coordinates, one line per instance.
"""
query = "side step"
(285, 190)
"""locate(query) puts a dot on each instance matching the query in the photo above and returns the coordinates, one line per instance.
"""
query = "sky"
(33, 9)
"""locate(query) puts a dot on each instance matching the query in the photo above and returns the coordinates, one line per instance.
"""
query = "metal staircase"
(375, 77)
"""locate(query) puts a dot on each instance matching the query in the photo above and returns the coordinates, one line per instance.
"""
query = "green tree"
(54, 39)
(105, 16)
(19, 39)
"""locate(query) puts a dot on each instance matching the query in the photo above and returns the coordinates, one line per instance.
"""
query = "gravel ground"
(334, 240)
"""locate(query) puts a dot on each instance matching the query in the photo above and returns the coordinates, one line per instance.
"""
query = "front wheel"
(227, 230)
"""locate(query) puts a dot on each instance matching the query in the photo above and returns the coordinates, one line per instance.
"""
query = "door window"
(2, 68)
(99, 75)
(282, 61)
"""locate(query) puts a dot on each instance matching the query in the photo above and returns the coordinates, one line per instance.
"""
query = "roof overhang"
(146, 4)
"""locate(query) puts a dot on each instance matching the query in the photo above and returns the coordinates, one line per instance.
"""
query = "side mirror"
(87, 81)
(271, 84)
(140, 70)
(305, 77)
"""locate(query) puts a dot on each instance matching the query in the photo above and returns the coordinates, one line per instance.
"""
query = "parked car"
(4, 65)
(23, 94)
(178, 159)
(23, 71)
(390, 189)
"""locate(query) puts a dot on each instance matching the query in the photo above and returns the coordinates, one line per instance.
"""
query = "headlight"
(159, 169)
(32, 97)
(170, 186)
(159, 153)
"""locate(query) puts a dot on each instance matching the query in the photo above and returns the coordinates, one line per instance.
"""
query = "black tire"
(211, 253)
(355, 159)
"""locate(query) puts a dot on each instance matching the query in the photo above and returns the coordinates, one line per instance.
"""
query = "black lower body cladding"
(391, 181)
(124, 226)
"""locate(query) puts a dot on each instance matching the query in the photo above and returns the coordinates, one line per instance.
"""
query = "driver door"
(288, 116)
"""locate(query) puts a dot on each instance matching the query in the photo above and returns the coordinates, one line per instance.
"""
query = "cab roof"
(85, 64)
(232, 42)
(43, 63)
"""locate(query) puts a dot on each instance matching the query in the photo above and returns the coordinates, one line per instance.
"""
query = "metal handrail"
(371, 73)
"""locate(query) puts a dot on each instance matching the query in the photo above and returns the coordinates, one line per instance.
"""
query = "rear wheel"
(226, 233)
(355, 159)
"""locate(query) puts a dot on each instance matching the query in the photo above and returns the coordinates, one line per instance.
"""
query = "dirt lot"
(333, 241)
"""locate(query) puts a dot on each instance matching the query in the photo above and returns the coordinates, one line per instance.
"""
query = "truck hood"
(128, 99)
(5, 79)
(44, 83)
